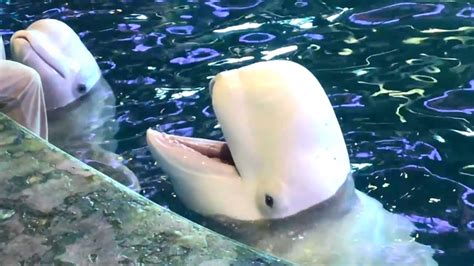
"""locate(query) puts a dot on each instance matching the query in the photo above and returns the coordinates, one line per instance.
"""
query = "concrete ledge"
(55, 209)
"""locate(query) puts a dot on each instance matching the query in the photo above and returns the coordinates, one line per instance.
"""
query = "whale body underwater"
(80, 103)
(283, 174)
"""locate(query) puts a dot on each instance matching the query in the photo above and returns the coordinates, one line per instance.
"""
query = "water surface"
(399, 75)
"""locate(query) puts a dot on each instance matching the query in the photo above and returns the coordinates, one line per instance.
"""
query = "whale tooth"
(165, 136)
(170, 139)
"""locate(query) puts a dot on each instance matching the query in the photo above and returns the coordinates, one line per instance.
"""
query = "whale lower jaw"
(176, 153)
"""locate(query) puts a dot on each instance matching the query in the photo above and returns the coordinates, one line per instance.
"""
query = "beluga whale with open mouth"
(79, 102)
(283, 174)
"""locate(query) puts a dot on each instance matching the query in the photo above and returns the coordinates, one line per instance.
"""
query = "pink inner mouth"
(215, 150)
(221, 154)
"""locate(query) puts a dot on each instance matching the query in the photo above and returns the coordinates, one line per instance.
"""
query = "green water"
(398, 75)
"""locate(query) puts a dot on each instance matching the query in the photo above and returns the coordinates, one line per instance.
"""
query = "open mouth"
(218, 151)
(215, 150)
(193, 154)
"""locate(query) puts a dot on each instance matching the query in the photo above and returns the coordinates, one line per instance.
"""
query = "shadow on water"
(398, 74)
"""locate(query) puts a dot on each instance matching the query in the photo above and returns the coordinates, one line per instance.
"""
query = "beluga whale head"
(283, 153)
(67, 69)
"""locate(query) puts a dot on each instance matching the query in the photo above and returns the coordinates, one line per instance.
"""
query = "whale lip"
(30, 39)
(192, 154)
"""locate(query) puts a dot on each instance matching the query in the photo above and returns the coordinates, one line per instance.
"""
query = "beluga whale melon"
(283, 174)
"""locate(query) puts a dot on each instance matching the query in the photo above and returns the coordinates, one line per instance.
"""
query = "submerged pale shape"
(367, 235)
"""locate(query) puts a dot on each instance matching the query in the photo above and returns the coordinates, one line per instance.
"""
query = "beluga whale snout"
(284, 167)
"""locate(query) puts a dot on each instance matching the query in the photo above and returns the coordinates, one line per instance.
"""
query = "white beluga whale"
(67, 69)
(80, 103)
(282, 179)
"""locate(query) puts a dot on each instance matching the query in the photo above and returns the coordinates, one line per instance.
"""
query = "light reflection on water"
(398, 75)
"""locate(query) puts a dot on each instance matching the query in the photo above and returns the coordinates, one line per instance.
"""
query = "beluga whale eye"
(81, 88)
(269, 200)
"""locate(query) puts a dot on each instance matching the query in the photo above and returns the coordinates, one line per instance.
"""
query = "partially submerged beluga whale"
(284, 173)
(80, 103)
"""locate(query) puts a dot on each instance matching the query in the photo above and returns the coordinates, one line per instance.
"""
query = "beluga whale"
(282, 179)
(79, 102)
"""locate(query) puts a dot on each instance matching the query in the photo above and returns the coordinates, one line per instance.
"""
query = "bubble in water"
(198, 55)
(258, 37)
(301, 3)
(180, 30)
(223, 11)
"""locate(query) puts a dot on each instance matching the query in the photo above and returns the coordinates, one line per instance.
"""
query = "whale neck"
(250, 232)
(101, 90)
(338, 205)
(85, 119)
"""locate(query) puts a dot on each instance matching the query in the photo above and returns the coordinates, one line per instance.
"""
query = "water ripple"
(395, 74)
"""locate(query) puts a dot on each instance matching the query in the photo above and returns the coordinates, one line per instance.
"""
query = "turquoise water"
(398, 75)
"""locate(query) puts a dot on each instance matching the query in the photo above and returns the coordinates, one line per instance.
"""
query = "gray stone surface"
(55, 209)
